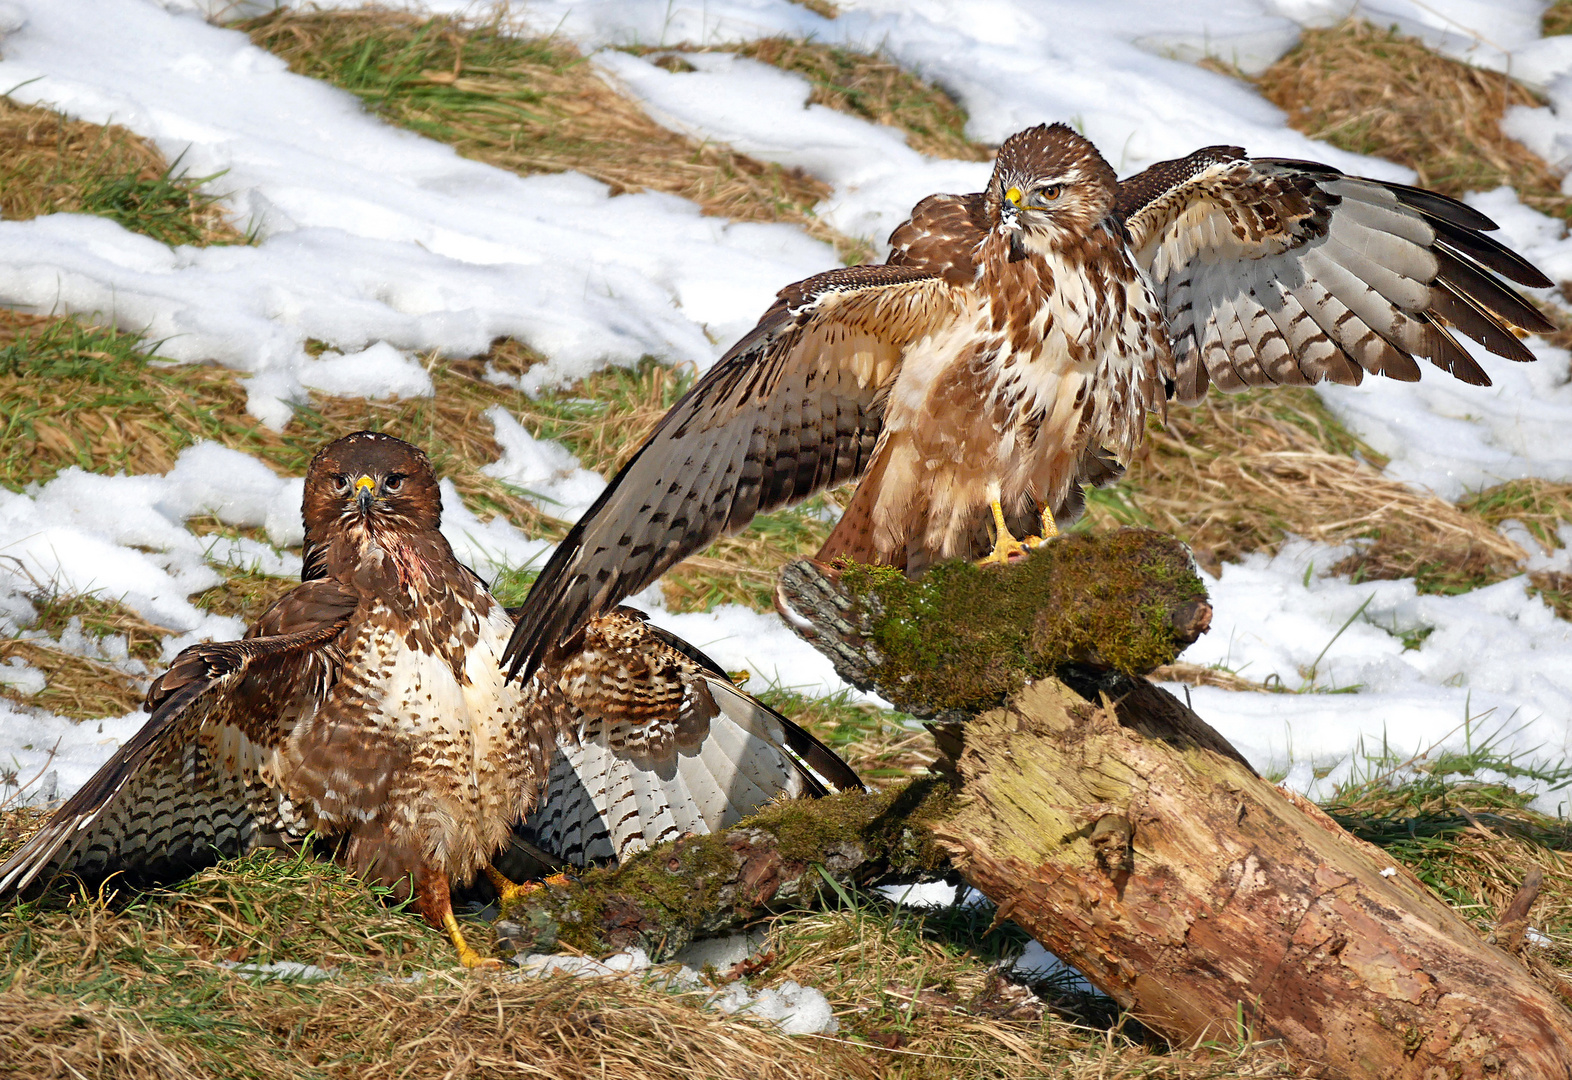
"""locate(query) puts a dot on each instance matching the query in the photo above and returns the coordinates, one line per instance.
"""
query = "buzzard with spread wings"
(1008, 352)
(368, 706)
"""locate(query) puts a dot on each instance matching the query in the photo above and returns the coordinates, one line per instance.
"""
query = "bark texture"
(1202, 897)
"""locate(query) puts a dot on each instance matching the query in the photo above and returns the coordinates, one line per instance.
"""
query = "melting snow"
(383, 244)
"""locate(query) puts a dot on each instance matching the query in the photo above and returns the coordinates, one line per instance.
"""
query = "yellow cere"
(1014, 195)
(364, 482)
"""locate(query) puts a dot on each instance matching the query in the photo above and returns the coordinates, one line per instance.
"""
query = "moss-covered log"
(1125, 835)
(786, 856)
(962, 638)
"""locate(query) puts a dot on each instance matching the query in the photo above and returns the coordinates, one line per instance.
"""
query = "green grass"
(50, 164)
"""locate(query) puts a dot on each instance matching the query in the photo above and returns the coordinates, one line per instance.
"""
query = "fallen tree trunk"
(1128, 837)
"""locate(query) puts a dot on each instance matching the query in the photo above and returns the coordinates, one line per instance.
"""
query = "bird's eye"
(393, 483)
(1050, 193)
(340, 483)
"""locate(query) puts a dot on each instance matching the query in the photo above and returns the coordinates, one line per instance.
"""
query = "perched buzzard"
(1010, 349)
(368, 706)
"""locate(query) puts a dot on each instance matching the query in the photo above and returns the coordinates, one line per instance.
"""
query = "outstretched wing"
(666, 745)
(182, 791)
(1288, 272)
(793, 408)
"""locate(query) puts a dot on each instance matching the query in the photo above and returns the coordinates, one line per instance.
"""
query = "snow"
(543, 470)
(795, 1009)
(387, 247)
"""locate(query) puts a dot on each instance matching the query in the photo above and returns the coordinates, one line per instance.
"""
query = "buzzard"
(368, 706)
(1010, 349)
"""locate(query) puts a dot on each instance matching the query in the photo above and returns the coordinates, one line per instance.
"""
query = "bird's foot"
(510, 892)
(1050, 532)
(1006, 548)
(466, 954)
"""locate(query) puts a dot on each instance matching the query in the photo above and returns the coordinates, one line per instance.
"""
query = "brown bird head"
(370, 479)
(1050, 186)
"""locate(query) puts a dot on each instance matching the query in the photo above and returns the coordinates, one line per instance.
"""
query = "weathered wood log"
(786, 856)
(1130, 840)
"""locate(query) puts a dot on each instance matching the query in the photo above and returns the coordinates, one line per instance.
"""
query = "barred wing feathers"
(185, 789)
(630, 782)
(794, 407)
(1278, 272)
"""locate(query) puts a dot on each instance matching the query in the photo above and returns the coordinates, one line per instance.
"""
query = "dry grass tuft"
(1238, 473)
(1373, 91)
(871, 88)
(1557, 18)
(76, 686)
(531, 106)
(50, 164)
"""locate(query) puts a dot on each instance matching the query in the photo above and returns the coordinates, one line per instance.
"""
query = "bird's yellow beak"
(365, 491)
(1013, 196)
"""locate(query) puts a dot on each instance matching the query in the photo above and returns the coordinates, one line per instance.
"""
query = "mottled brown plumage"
(1012, 346)
(368, 706)
(661, 743)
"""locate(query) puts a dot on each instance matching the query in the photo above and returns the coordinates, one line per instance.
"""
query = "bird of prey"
(368, 707)
(1011, 347)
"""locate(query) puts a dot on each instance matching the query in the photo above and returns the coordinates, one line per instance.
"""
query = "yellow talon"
(1050, 531)
(510, 891)
(1005, 546)
(467, 956)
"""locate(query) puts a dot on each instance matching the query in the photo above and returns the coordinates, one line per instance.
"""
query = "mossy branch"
(962, 638)
(786, 856)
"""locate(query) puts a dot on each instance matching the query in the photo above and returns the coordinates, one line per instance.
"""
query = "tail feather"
(601, 804)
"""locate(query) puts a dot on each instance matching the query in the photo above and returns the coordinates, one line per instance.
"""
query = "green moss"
(664, 898)
(964, 637)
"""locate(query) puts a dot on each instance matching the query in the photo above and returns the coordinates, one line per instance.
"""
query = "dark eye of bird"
(341, 482)
(393, 482)
(1051, 192)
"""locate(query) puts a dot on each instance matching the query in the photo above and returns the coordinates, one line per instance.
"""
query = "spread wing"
(794, 407)
(1287, 272)
(183, 791)
(941, 237)
(666, 745)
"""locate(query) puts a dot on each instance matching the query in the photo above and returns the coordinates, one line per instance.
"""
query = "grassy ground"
(132, 988)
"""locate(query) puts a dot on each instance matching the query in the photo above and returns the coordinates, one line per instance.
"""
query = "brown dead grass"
(77, 687)
(531, 106)
(1238, 473)
(52, 164)
(871, 88)
(1373, 91)
(1557, 18)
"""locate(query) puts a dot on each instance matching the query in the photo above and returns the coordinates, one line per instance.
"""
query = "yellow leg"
(1005, 546)
(510, 891)
(467, 956)
(1050, 530)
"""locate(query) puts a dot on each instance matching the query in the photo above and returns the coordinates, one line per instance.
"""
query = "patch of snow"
(544, 470)
(380, 371)
(796, 1009)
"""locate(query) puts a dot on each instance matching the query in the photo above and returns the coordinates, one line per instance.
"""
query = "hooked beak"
(365, 492)
(1010, 211)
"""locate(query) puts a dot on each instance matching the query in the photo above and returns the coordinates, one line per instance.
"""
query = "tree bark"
(1129, 838)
